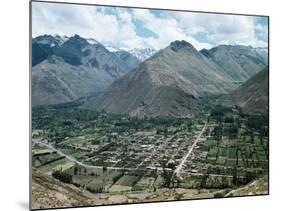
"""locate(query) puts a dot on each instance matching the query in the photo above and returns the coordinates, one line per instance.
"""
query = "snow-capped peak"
(61, 39)
(92, 41)
(50, 40)
(142, 53)
(64, 38)
(111, 48)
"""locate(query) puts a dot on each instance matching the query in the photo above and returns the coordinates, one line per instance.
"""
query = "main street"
(179, 167)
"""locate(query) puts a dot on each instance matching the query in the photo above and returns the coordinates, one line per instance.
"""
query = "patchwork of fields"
(117, 155)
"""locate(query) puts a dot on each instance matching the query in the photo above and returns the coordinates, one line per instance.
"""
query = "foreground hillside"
(257, 187)
(252, 96)
(48, 192)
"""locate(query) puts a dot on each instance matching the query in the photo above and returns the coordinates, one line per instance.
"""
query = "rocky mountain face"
(252, 96)
(128, 59)
(166, 84)
(239, 62)
(74, 67)
(44, 46)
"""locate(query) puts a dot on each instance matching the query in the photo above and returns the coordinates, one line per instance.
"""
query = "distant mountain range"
(252, 96)
(143, 53)
(138, 82)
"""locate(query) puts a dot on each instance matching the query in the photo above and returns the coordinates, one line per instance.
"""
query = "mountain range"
(141, 53)
(138, 82)
(65, 70)
(170, 82)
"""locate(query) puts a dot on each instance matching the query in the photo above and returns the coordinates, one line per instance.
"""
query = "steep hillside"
(167, 84)
(257, 187)
(75, 68)
(44, 46)
(238, 62)
(252, 96)
(50, 193)
(263, 52)
(55, 81)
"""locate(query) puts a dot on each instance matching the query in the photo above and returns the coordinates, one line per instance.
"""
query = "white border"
(15, 103)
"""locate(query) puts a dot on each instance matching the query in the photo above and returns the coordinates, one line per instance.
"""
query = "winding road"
(72, 159)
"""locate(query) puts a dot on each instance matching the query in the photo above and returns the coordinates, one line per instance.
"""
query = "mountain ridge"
(239, 62)
(169, 82)
(76, 68)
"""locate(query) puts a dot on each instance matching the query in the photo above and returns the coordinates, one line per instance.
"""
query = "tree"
(232, 131)
(229, 119)
(104, 168)
(252, 137)
(117, 177)
(177, 181)
(85, 171)
(171, 165)
(261, 140)
(75, 170)
(217, 132)
(234, 177)
(167, 176)
(154, 174)
(62, 176)
(249, 177)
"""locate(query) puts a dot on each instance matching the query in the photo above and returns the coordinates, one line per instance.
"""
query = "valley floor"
(85, 158)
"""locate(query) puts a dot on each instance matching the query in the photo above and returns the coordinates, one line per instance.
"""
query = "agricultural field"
(111, 155)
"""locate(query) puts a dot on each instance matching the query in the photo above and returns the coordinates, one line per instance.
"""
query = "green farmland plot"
(54, 165)
(221, 160)
(232, 153)
(46, 159)
(222, 152)
(145, 183)
(82, 179)
(127, 180)
(213, 152)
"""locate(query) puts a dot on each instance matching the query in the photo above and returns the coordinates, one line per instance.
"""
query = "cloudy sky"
(130, 28)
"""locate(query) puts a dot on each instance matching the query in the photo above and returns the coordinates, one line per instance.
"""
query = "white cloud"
(119, 29)
(72, 19)
(167, 30)
(223, 29)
